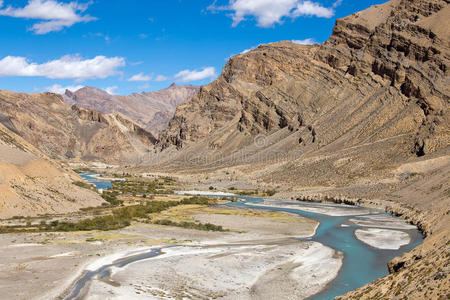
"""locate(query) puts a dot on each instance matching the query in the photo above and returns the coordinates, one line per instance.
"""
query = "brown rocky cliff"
(64, 132)
(390, 62)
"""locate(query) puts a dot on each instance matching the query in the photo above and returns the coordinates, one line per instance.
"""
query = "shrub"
(84, 185)
(190, 225)
(270, 192)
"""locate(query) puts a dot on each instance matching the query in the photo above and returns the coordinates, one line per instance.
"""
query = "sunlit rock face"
(152, 110)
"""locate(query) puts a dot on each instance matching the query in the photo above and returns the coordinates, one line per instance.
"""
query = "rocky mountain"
(363, 117)
(68, 132)
(32, 184)
(377, 90)
(152, 110)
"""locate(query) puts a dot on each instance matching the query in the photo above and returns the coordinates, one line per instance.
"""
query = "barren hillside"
(32, 184)
(69, 132)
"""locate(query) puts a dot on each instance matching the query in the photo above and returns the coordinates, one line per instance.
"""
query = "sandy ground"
(204, 193)
(382, 221)
(383, 238)
(326, 209)
(283, 269)
(264, 250)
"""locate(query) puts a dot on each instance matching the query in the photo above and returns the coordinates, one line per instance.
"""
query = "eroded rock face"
(32, 184)
(383, 73)
(152, 110)
(64, 132)
(342, 117)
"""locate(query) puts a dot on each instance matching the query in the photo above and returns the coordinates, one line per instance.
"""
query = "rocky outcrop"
(152, 110)
(70, 132)
(378, 88)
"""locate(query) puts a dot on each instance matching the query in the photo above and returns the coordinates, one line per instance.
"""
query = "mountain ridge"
(69, 132)
(152, 110)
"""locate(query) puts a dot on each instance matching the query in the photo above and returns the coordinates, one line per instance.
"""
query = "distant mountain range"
(152, 110)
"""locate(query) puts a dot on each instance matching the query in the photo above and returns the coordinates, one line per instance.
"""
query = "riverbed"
(362, 262)
(357, 234)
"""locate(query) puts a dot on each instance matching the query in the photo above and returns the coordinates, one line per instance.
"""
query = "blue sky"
(144, 45)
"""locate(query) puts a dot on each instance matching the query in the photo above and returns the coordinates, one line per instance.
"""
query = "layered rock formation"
(66, 132)
(32, 184)
(152, 110)
(362, 116)
(382, 74)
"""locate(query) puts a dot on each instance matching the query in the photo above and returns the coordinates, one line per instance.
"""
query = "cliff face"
(32, 184)
(70, 132)
(363, 115)
(374, 95)
(382, 73)
(151, 110)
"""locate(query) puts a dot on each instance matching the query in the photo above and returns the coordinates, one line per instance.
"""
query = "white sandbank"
(295, 269)
(383, 238)
(204, 193)
(324, 209)
(382, 221)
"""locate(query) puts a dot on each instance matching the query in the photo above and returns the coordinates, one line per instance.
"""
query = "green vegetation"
(257, 193)
(84, 185)
(191, 225)
(230, 199)
(84, 170)
(134, 186)
(270, 192)
(121, 217)
(111, 197)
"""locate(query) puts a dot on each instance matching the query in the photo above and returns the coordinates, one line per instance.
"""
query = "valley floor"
(254, 259)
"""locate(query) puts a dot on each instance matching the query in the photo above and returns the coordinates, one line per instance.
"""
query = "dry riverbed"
(256, 258)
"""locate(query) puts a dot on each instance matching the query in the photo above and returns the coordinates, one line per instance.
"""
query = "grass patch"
(190, 225)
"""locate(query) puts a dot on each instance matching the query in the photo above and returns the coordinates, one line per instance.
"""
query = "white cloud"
(111, 90)
(194, 75)
(337, 3)
(308, 8)
(160, 78)
(309, 41)
(140, 77)
(67, 67)
(270, 12)
(55, 15)
(1, 3)
(58, 89)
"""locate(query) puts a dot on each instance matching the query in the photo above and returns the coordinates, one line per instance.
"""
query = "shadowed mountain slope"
(152, 110)
(65, 132)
